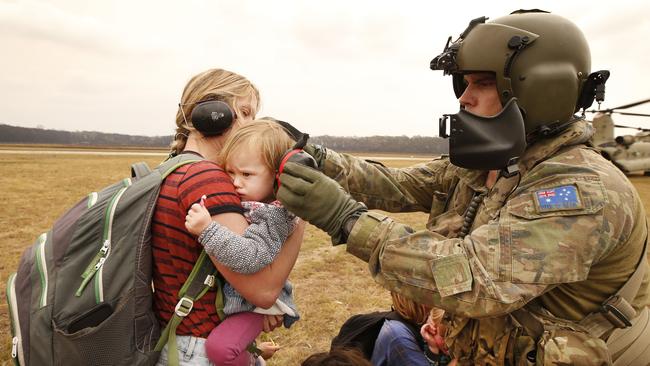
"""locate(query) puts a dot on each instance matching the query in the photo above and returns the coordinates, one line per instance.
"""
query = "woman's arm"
(261, 288)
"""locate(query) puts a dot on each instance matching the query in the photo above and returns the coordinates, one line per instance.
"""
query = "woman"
(175, 250)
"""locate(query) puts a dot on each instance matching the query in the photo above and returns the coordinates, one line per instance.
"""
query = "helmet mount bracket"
(594, 89)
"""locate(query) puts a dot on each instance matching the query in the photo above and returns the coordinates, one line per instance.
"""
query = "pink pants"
(226, 344)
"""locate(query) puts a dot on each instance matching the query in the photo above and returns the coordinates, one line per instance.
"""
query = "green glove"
(317, 199)
(318, 152)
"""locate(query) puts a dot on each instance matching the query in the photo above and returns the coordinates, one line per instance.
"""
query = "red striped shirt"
(175, 250)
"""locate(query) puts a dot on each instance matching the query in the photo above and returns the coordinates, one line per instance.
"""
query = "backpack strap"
(219, 302)
(615, 312)
(168, 166)
(139, 170)
(201, 279)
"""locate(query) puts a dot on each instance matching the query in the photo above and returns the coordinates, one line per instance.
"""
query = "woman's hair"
(337, 357)
(409, 309)
(436, 315)
(264, 135)
(213, 84)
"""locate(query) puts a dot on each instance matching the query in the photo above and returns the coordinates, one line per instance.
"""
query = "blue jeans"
(191, 352)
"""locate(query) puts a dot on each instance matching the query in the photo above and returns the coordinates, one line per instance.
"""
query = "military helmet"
(540, 58)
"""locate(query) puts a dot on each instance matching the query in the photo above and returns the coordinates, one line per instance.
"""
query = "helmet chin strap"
(545, 131)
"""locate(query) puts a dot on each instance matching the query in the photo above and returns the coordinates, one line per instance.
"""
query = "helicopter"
(630, 153)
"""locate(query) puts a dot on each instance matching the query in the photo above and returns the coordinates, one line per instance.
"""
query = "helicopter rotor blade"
(628, 105)
(632, 104)
(633, 114)
(630, 127)
(614, 110)
(633, 128)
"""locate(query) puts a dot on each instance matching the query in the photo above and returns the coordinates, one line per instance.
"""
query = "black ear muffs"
(212, 117)
(296, 154)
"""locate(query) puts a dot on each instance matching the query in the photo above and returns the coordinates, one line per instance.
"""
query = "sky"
(336, 67)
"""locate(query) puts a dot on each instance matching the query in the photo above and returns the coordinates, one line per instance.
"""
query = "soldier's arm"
(390, 189)
(496, 269)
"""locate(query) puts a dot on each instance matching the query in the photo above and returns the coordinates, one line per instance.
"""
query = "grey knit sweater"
(257, 247)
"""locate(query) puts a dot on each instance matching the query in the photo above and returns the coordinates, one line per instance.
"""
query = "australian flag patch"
(558, 198)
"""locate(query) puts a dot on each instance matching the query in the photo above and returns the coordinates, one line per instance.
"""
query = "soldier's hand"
(317, 198)
(318, 152)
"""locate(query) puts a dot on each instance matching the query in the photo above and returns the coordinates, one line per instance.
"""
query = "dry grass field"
(330, 285)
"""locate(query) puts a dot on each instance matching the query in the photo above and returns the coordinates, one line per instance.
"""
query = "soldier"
(535, 244)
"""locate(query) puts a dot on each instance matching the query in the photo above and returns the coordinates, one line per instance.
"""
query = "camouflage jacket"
(565, 235)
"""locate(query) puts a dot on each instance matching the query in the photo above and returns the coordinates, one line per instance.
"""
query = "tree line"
(25, 135)
(397, 144)
(390, 144)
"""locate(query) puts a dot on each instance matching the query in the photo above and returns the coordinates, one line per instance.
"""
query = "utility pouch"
(563, 346)
(525, 350)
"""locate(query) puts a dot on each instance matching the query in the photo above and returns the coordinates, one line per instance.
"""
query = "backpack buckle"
(618, 311)
(209, 280)
(184, 307)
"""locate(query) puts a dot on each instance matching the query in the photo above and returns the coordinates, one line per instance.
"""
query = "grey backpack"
(82, 294)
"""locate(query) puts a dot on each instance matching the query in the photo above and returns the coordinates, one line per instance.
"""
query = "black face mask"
(485, 143)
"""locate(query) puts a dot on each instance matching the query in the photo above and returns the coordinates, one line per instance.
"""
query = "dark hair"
(337, 357)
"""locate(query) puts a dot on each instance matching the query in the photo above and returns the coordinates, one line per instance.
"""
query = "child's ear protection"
(212, 117)
(295, 155)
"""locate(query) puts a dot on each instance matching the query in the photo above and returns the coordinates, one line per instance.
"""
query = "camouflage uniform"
(518, 252)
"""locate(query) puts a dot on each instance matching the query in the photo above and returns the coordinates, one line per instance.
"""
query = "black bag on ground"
(360, 331)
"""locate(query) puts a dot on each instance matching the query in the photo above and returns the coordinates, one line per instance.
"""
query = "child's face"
(252, 179)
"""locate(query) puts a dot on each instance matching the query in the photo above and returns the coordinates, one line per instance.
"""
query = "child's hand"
(432, 337)
(198, 218)
(268, 349)
(272, 321)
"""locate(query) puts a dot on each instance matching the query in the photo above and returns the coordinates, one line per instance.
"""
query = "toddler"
(250, 156)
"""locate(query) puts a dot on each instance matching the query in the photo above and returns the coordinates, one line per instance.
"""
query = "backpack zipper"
(16, 341)
(41, 264)
(98, 261)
